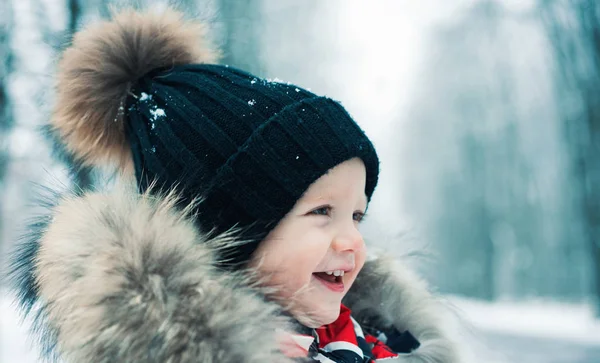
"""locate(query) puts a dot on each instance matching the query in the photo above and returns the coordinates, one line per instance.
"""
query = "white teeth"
(335, 272)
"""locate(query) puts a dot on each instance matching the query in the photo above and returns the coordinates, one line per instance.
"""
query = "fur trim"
(387, 293)
(127, 278)
(98, 69)
(124, 277)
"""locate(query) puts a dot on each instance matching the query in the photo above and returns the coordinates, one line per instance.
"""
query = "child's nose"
(348, 239)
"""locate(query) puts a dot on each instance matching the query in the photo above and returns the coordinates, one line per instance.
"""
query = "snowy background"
(484, 115)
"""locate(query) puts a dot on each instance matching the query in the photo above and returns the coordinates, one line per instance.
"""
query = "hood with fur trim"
(126, 277)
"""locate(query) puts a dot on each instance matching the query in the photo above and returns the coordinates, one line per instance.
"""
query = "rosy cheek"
(292, 284)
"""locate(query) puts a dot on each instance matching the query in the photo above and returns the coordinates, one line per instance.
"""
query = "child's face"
(320, 234)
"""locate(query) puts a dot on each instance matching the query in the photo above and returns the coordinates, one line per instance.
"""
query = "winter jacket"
(119, 276)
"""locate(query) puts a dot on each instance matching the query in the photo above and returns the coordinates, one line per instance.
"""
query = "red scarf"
(340, 342)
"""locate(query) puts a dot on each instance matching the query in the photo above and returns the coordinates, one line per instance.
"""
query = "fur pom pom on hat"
(96, 74)
(142, 91)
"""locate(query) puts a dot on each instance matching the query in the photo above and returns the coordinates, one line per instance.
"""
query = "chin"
(329, 319)
(323, 317)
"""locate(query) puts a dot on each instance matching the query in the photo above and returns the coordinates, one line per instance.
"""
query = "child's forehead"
(345, 181)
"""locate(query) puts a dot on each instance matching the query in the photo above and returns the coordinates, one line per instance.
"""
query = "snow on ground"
(14, 346)
(532, 332)
(541, 319)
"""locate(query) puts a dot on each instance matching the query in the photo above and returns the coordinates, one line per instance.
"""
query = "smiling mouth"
(329, 278)
(333, 283)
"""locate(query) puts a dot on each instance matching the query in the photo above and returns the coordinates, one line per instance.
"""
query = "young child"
(240, 241)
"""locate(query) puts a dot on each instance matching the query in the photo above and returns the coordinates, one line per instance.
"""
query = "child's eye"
(358, 216)
(322, 211)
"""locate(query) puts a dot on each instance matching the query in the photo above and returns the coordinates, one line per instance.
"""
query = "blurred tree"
(475, 126)
(574, 32)
(454, 173)
(6, 117)
(58, 39)
(241, 34)
(74, 11)
(82, 175)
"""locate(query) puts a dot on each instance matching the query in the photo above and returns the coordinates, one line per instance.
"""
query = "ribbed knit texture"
(249, 147)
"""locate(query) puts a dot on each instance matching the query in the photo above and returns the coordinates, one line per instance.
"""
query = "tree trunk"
(6, 119)
(82, 175)
(592, 152)
(590, 175)
(74, 15)
(577, 54)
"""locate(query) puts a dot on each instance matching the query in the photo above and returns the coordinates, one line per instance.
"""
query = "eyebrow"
(316, 199)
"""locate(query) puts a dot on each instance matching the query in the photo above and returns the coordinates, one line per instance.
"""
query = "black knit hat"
(247, 146)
